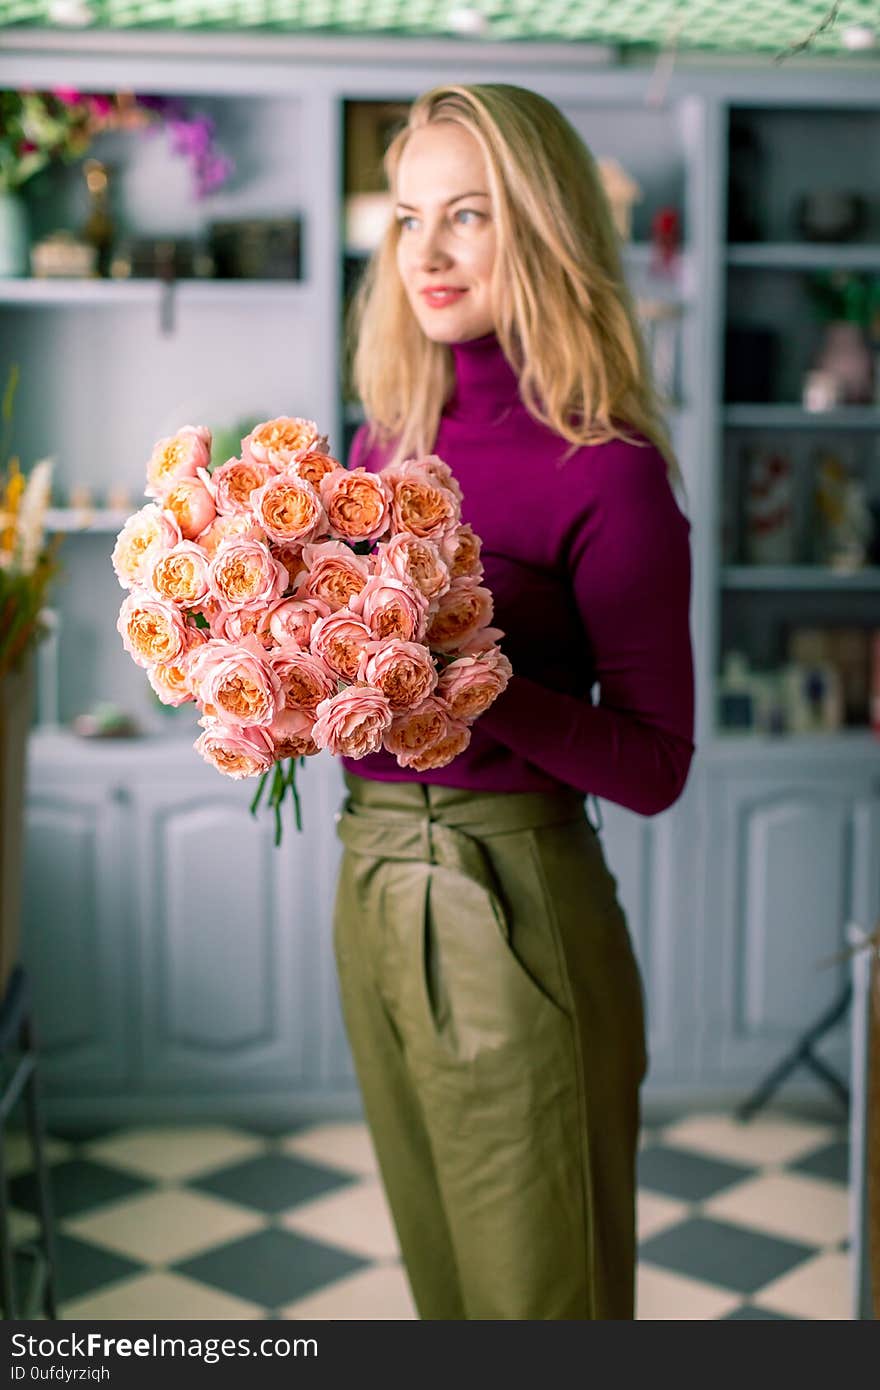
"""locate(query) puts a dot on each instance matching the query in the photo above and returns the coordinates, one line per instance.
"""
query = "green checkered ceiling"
(718, 25)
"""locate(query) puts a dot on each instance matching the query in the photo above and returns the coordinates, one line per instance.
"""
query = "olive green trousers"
(495, 1014)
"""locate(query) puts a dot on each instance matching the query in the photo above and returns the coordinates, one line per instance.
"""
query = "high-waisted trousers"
(495, 1014)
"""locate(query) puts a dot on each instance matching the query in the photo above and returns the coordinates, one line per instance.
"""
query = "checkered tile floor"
(736, 1220)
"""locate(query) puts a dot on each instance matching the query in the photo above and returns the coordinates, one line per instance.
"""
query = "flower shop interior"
(189, 196)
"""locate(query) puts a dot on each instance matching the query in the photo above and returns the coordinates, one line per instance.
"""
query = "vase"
(13, 235)
(16, 705)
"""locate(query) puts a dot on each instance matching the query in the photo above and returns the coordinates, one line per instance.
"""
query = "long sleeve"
(628, 555)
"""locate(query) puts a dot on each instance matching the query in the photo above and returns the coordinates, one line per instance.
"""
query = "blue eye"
(402, 221)
(467, 212)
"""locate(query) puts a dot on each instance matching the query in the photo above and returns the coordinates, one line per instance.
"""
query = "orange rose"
(461, 612)
(281, 442)
(415, 730)
(333, 573)
(288, 508)
(453, 742)
(404, 671)
(357, 503)
(461, 551)
(315, 467)
(339, 640)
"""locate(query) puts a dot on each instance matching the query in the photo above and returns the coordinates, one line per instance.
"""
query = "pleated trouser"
(495, 1013)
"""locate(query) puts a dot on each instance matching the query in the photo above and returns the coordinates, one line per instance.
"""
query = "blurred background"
(189, 193)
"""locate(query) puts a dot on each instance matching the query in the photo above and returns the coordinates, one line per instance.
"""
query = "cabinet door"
(235, 978)
(76, 934)
(651, 859)
(781, 882)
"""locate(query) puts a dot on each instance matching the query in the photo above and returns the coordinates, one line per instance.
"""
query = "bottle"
(99, 230)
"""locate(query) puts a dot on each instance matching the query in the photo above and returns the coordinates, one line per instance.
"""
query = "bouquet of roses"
(305, 606)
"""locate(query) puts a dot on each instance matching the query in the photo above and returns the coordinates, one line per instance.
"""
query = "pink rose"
(235, 682)
(243, 574)
(151, 629)
(403, 671)
(483, 641)
(180, 575)
(293, 619)
(240, 622)
(234, 481)
(437, 469)
(290, 555)
(461, 551)
(288, 509)
(353, 722)
(315, 466)
(144, 534)
(171, 680)
(453, 742)
(178, 456)
(339, 639)
(421, 503)
(357, 503)
(306, 680)
(470, 684)
(333, 573)
(392, 608)
(415, 730)
(417, 561)
(281, 442)
(191, 505)
(461, 612)
(291, 733)
(222, 527)
(235, 751)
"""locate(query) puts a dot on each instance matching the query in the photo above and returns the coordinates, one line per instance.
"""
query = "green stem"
(259, 792)
(291, 782)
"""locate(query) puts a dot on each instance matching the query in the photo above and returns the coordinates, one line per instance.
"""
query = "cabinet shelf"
(800, 749)
(803, 255)
(108, 293)
(762, 416)
(799, 577)
(97, 520)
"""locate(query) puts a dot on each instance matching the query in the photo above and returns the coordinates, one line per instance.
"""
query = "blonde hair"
(563, 315)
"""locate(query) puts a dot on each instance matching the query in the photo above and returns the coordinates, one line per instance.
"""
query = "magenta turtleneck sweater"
(588, 561)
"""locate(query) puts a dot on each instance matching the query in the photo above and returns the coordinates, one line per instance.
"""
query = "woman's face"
(446, 246)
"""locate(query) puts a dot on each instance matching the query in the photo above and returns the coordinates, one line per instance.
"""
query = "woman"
(492, 1000)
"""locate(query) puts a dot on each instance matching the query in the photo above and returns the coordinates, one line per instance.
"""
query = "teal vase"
(13, 234)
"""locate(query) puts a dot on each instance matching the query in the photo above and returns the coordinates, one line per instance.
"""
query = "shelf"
(799, 577)
(794, 417)
(638, 254)
(98, 520)
(797, 255)
(107, 293)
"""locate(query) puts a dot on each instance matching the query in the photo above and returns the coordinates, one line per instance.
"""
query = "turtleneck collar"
(486, 386)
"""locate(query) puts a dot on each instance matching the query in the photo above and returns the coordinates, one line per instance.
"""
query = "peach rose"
(357, 503)
(144, 534)
(288, 509)
(483, 641)
(461, 551)
(234, 481)
(403, 671)
(178, 456)
(333, 573)
(470, 684)
(171, 679)
(353, 722)
(237, 752)
(417, 561)
(180, 575)
(415, 730)
(305, 679)
(235, 683)
(151, 629)
(222, 527)
(293, 619)
(315, 466)
(291, 734)
(192, 506)
(339, 639)
(241, 622)
(461, 612)
(282, 441)
(290, 555)
(439, 470)
(420, 503)
(243, 574)
(453, 742)
(391, 608)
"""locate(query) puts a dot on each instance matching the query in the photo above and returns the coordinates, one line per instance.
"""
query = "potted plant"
(27, 564)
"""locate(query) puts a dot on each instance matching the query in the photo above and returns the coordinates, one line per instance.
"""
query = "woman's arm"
(629, 559)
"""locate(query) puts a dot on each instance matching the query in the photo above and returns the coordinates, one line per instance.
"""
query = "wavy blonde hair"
(563, 314)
